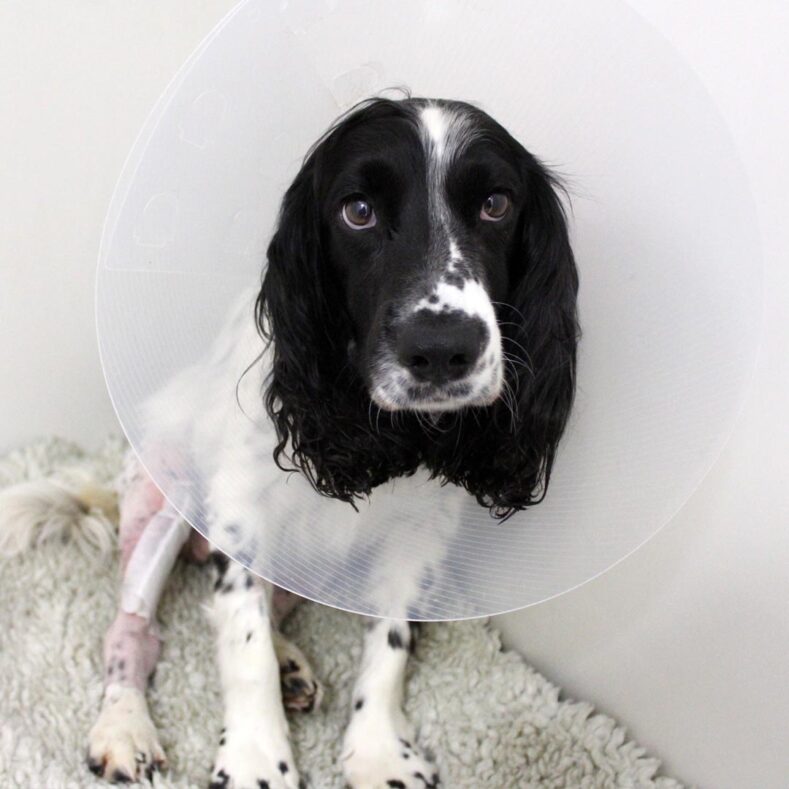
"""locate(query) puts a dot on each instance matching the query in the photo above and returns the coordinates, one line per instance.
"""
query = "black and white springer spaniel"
(421, 267)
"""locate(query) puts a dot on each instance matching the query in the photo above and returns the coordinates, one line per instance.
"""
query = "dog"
(421, 267)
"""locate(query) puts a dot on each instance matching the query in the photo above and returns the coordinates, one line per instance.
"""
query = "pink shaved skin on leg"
(149, 545)
(123, 745)
(197, 548)
(140, 501)
(282, 603)
(130, 651)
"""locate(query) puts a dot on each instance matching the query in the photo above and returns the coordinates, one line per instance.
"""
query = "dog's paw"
(123, 745)
(380, 753)
(246, 761)
(301, 691)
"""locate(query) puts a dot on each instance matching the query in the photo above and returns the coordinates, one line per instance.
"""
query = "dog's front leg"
(123, 744)
(254, 748)
(380, 747)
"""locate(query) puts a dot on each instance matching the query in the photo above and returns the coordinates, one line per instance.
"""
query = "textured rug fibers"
(490, 720)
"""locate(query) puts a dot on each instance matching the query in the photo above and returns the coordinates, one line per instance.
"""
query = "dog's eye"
(358, 213)
(495, 207)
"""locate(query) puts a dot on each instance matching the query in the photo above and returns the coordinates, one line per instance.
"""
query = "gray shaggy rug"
(489, 718)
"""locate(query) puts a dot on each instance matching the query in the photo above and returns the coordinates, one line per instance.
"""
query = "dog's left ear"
(540, 334)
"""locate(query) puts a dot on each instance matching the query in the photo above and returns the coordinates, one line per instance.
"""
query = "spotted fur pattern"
(254, 749)
(380, 747)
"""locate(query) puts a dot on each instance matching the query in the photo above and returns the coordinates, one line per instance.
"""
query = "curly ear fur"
(318, 404)
(503, 453)
(506, 459)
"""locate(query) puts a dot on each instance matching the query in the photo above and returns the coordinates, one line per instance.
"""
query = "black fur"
(395, 639)
(319, 321)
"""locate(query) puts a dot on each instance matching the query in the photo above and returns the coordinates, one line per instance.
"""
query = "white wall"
(686, 641)
(77, 80)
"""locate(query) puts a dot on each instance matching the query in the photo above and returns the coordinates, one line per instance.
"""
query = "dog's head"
(421, 264)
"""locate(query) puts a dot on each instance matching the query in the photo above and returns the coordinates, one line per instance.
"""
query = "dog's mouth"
(396, 390)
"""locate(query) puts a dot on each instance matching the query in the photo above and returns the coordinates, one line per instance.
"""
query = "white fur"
(441, 138)
(472, 299)
(37, 511)
(436, 124)
(454, 256)
(255, 737)
(124, 737)
(380, 743)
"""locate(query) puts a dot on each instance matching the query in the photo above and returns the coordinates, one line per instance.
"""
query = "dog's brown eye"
(358, 213)
(495, 207)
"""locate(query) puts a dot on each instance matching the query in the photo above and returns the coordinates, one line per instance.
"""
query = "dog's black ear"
(539, 336)
(301, 315)
(296, 307)
(545, 335)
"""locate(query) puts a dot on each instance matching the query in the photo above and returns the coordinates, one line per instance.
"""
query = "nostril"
(439, 349)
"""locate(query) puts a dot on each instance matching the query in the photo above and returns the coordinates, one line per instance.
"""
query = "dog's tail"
(33, 512)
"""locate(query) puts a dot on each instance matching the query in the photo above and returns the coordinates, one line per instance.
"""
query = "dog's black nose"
(439, 348)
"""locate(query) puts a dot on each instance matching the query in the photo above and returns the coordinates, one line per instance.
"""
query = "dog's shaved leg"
(380, 746)
(123, 744)
(151, 562)
(254, 747)
(282, 603)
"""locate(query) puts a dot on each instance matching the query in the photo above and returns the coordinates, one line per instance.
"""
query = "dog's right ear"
(292, 308)
(300, 314)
